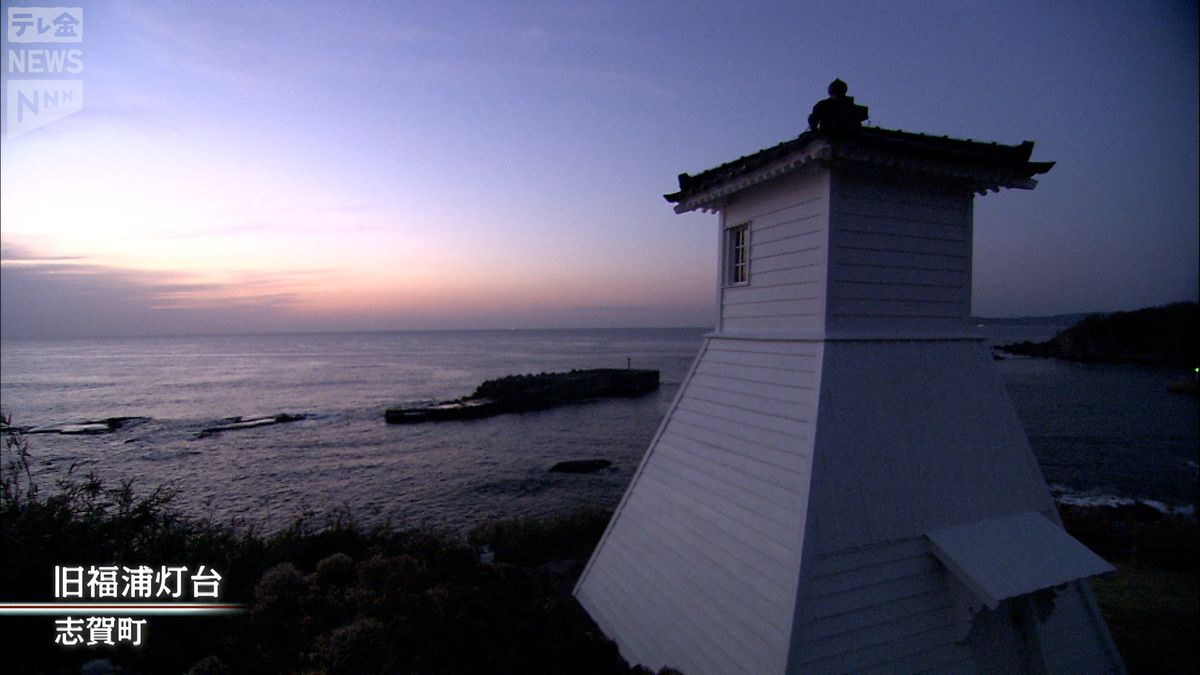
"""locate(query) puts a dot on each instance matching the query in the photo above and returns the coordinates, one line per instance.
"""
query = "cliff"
(1166, 335)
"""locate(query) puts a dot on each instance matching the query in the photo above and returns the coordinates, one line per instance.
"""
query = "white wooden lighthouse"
(842, 483)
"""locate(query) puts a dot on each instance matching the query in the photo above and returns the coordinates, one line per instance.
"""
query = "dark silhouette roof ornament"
(838, 113)
(836, 133)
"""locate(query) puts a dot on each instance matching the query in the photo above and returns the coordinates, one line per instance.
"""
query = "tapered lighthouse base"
(794, 513)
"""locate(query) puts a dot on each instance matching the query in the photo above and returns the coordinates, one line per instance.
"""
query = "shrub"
(415, 601)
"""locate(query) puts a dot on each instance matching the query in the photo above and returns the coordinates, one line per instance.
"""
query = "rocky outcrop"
(236, 423)
(1166, 335)
(581, 466)
(521, 393)
(104, 426)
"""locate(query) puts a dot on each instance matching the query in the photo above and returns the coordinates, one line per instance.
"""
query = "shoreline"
(340, 595)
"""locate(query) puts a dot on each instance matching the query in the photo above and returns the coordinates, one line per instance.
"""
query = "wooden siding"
(698, 569)
(881, 608)
(911, 436)
(887, 608)
(778, 521)
(899, 256)
(914, 436)
(788, 250)
(1074, 637)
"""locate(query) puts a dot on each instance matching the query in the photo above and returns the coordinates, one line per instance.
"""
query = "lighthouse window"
(737, 254)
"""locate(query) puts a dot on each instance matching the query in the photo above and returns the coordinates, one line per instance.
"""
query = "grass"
(1152, 614)
(536, 541)
(336, 597)
(1152, 603)
(325, 597)
(330, 598)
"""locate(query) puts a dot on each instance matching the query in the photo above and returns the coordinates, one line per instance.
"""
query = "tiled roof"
(903, 146)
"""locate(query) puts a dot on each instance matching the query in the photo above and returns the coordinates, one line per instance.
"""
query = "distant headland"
(1164, 335)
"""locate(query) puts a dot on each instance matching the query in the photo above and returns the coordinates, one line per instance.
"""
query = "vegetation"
(1151, 613)
(330, 597)
(537, 541)
(1152, 602)
(1168, 335)
(336, 597)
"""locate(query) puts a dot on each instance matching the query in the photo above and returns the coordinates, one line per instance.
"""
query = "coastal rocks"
(236, 423)
(531, 392)
(521, 393)
(104, 426)
(1166, 335)
(581, 466)
(462, 409)
(1136, 530)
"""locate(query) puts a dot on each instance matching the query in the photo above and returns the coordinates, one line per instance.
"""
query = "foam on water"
(1065, 495)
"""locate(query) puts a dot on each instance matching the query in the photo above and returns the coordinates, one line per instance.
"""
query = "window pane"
(737, 255)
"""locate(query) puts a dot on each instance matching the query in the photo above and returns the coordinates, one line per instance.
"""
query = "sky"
(325, 166)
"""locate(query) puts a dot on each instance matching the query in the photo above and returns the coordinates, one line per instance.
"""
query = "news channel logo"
(42, 61)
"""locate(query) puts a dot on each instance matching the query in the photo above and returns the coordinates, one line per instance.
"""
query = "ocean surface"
(1101, 433)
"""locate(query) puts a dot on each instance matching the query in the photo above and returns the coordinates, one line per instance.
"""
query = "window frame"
(736, 238)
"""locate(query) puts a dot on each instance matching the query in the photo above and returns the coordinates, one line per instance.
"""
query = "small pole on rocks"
(628, 362)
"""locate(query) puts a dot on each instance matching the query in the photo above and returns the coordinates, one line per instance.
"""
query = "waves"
(265, 428)
(1066, 495)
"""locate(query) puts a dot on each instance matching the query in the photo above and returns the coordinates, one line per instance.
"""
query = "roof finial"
(838, 113)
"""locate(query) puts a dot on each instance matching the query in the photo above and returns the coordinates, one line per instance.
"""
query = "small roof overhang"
(1015, 555)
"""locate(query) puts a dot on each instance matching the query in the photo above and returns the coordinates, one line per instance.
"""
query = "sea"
(1102, 433)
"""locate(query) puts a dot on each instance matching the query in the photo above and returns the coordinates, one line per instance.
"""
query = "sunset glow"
(308, 166)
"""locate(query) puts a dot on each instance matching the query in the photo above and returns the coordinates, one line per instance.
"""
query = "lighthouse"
(842, 482)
